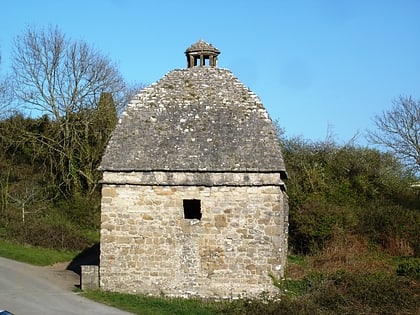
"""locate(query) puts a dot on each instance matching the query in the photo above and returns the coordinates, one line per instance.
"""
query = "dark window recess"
(192, 209)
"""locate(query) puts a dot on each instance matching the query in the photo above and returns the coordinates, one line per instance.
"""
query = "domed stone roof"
(195, 119)
(202, 46)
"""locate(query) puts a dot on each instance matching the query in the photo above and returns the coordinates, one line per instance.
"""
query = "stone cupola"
(198, 53)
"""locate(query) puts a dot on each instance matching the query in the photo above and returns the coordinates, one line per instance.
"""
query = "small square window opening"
(192, 209)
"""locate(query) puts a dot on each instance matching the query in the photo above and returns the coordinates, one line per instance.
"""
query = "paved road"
(31, 290)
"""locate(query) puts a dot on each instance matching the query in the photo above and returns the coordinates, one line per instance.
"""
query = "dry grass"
(350, 253)
(395, 246)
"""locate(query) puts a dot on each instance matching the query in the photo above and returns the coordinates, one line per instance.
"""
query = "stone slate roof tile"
(195, 119)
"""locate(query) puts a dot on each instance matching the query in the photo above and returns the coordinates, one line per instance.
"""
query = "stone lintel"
(167, 178)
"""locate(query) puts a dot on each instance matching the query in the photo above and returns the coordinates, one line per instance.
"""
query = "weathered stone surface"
(220, 221)
(222, 255)
(170, 178)
(201, 119)
(193, 195)
(89, 278)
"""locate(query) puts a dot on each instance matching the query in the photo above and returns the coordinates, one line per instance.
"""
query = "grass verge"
(319, 288)
(147, 305)
(34, 255)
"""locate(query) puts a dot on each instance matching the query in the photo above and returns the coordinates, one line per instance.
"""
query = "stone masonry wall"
(148, 247)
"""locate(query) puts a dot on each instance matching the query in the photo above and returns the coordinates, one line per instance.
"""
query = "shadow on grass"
(90, 256)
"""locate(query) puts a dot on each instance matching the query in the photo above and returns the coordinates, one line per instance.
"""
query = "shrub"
(368, 293)
(81, 210)
(410, 268)
(314, 223)
(393, 227)
(51, 231)
(337, 293)
(284, 305)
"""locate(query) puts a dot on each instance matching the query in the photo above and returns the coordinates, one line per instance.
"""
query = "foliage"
(33, 209)
(312, 225)
(393, 227)
(347, 188)
(49, 177)
(48, 230)
(376, 292)
(81, 211)
(367, 293)
(68, 83)
(410, 267)
(37, 142)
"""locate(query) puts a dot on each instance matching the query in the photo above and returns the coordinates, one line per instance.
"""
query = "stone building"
(193, 193)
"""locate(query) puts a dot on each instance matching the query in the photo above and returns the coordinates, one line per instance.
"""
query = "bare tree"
(29, 197)
(398, 129)
(5, 94)
(6, 97)
(63, 80)
(58, 76)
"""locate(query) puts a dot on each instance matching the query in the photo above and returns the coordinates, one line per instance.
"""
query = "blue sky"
(317, 65)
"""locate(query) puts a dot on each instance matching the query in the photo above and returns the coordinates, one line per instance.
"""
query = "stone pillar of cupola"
(201, 54)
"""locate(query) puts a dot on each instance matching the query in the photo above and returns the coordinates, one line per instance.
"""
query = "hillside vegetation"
(354, 212)
(354, 238)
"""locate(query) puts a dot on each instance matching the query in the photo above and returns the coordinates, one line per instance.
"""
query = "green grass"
(34, 255)
(92, 235)
(387, 291)
(147, 305)
(297, 260)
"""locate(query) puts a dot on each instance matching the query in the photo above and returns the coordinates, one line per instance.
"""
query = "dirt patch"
(60, 275)
(67, 274)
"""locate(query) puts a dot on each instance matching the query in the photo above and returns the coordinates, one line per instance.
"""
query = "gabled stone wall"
(148, 247)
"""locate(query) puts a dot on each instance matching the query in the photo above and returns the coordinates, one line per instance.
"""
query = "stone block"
(220, 221)
(272, 230)
(147, 217)
(109, 192)
(89, 278)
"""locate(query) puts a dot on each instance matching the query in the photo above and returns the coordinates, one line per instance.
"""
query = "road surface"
(32, 290)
